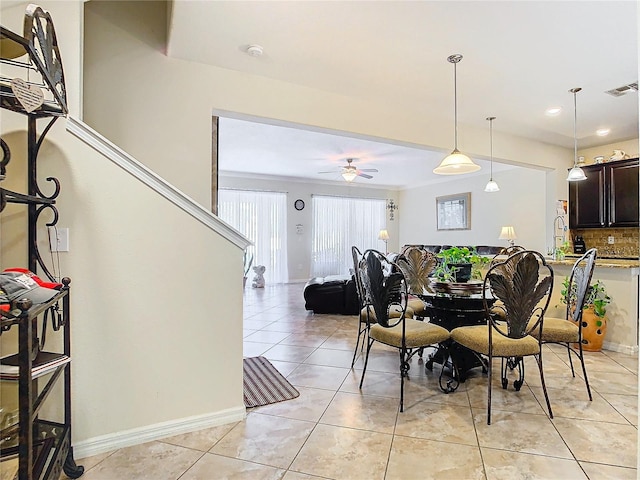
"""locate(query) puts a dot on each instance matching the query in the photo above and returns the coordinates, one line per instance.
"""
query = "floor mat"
(263, 384)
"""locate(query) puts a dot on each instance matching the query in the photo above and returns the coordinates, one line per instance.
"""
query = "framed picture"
(453, 212)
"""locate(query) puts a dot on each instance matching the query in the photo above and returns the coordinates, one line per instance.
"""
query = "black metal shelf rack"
(32, 60)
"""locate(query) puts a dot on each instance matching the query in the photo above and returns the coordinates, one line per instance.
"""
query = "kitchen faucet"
(558, 222)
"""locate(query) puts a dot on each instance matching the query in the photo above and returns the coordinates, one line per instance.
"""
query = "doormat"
(263, 384)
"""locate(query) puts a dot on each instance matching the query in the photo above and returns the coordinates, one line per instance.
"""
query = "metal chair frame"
(521, 286)
(363, 327)
(380, 294)
(579, 281)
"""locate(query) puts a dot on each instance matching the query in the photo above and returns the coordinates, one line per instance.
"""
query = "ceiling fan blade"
(364, 175)
(330, 171)
(368, 170)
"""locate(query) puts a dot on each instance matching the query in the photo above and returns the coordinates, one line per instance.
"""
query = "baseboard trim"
(616, 347)
(136, 436)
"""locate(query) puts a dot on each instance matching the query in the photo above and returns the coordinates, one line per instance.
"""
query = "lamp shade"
(507, 233)
(456, 163)
(576, 174)
(491, 187)
(383, 235)
(349, 175)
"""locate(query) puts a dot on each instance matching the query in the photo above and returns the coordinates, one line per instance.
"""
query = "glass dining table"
(451, 305)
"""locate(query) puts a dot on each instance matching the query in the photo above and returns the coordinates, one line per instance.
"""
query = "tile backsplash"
(626, 241)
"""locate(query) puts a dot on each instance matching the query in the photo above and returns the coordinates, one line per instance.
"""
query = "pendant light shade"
(576, 174)
(455, 163)
(492, 186)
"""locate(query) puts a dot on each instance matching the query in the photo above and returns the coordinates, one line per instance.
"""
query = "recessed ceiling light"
(603, 132)
(553, 111)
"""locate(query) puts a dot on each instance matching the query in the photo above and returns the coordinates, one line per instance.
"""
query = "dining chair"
(505, 253)
(382, 294)
(366, 319)
(416, 264)
(521, 286)
(567, 331)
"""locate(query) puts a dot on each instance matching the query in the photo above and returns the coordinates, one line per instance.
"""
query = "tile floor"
(335, 431)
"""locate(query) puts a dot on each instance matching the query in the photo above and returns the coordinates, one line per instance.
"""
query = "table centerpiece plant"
(459, 264)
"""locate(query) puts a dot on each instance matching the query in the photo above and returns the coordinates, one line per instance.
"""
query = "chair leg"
(454, 382)
(404, 372)
(573, 373)
(584, 372)
(544, 387)
(366, 360)
(355, 352)
(489, 370)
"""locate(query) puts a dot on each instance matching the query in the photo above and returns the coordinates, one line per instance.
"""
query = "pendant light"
(576, 174)
(492, 186)
(455, 163)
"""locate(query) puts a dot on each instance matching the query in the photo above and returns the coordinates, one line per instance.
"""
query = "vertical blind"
(338, 224)
(262, 218)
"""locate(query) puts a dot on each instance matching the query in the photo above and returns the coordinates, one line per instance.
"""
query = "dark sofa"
(332, 294)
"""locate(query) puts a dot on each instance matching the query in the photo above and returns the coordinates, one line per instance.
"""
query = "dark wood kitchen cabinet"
(608, 198)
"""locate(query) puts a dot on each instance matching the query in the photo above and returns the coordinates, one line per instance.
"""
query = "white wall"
(630, 147)
(156, 297)
(299, 246)
(158, 108)
(518, 203)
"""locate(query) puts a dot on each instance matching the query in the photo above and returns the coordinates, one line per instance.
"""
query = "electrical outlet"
(611, 240)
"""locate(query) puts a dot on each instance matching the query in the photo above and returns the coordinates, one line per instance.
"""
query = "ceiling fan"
(350, 172)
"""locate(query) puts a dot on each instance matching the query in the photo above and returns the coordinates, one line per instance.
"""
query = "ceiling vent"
(618, 92)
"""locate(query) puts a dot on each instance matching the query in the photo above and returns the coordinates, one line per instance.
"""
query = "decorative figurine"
(258, 279)
(618, 155)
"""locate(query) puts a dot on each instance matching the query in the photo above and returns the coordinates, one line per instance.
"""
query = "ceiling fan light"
(492, 186)
(576, 174)
(456, 163)
(349, 175)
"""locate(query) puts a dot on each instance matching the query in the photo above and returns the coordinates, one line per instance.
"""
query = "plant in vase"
(459, 264)
(594, 319)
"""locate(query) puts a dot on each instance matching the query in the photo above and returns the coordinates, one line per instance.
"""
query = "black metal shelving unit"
(43, 447)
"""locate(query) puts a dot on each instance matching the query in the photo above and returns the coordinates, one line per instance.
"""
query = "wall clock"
(299, 204)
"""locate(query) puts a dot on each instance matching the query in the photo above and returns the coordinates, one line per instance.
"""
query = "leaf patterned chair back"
(567, 331)
(383, 286)
(516, 294)
(385, 293)
(417, 264)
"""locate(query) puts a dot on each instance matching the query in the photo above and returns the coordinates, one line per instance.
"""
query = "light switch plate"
(59, 239)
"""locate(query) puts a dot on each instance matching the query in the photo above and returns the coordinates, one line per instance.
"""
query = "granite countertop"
(600, 262)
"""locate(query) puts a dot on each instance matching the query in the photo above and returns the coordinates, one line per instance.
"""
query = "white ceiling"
(520, 58)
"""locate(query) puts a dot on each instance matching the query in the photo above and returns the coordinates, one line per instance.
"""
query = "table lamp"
(384, 236)
(508, 233)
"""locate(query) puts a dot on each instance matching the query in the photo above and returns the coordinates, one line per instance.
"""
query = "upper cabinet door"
(623, 193)
(587, 200)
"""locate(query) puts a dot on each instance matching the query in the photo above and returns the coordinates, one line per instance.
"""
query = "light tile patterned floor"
(335, 431)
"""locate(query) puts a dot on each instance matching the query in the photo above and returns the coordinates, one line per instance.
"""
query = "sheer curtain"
(262, 218)
(338, 224)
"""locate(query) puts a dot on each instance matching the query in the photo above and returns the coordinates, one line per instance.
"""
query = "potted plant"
(594, 320)
(457, 263)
